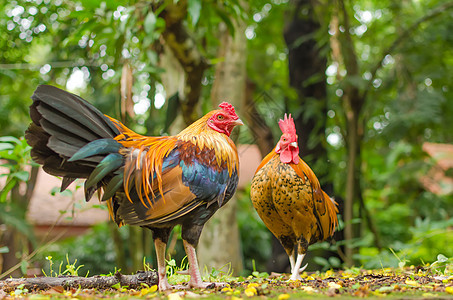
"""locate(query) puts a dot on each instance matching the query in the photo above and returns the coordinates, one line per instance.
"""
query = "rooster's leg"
(194, 270)
(292, 261)
(161, 270)
(296, 269)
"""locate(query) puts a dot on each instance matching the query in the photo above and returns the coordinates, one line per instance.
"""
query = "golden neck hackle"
(201, 135)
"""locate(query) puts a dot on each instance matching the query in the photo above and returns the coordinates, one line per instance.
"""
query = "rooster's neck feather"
(201, 135)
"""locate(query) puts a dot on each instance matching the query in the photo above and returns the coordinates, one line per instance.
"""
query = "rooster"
(288, 198)
(152, 182)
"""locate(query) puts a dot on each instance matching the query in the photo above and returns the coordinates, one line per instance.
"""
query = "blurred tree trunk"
(120, 250)
(352, 107)
(220, 242)
(184, 48)
(17, 242)
(307, 66)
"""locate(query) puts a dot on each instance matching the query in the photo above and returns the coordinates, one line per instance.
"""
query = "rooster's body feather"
(153, 182)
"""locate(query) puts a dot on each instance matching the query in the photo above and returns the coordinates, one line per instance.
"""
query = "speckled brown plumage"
(289, 199)
(285, 203)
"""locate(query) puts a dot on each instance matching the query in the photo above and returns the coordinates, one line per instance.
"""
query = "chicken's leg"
(161, 270)
(292, 261)
(295, 267)
(194, 270)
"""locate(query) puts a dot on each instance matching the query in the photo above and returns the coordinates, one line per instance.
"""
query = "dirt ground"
(403, 283)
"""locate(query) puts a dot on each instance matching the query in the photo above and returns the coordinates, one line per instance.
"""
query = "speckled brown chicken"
(288, 197)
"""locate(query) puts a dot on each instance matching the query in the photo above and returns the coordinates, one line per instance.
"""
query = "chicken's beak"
(238, 122)
(294, 144)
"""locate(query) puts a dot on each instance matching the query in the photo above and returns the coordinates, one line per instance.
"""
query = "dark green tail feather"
(96, 147)
(112, 187)
(109, 164)
(89, 191)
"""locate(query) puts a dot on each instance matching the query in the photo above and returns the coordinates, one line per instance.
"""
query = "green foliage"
(16, 152)
(172, 267)
(222, 274)
(20, 290)
(407, 104)
(15, 158)
(442, 265)
(71, 269)
(426, 239)
(94, 251)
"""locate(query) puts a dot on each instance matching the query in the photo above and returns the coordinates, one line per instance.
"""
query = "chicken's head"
(287, 146)
(224, 119)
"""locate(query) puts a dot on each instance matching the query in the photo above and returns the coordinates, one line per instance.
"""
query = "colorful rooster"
(153, 182)
(288, 197)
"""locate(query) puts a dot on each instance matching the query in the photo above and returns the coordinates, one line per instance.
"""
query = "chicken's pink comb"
(229, 109)
(287, 125)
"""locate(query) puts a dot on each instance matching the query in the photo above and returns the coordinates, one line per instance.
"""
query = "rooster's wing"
(188, 179)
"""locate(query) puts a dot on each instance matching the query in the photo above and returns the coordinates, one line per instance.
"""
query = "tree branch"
(100, 282)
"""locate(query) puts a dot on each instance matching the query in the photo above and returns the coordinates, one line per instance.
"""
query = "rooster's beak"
(238, 122)
(294, 144)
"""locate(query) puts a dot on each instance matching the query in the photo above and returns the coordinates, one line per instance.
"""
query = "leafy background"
(404, 69)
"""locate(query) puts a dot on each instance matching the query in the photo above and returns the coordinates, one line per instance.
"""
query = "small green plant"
(112, 273)
(257, 274)
(172, 268)
(402, 262)
(442, 265)
(49, 258)
(222, 274)
(146, 266)
(70, 269)
(20, 290)
(119, 287)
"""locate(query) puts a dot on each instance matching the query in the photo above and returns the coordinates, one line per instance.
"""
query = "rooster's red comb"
(287, 125)
(229, 109)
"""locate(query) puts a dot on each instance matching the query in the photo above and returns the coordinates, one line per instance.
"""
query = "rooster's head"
(224, 119)
(287, 146)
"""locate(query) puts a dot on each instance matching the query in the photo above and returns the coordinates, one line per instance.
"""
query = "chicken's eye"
(220, 117)
(284, 139)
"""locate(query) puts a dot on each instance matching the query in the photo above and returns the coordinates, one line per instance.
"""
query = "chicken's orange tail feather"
(148, 161)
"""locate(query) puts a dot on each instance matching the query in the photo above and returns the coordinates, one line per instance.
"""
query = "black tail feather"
(76, 108)
(63, 123)
(66, 182)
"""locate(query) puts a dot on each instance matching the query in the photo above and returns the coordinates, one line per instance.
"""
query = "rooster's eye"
(284, 139)
(220, 117)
